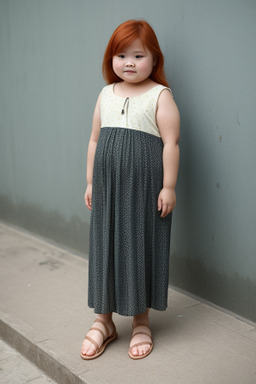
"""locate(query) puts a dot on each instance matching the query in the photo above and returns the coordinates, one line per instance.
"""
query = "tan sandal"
(134, 333)
(106, 340)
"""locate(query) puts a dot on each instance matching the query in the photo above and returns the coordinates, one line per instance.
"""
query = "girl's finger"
(88, 202)
(164, 210)
(168, 210)
(159, 204)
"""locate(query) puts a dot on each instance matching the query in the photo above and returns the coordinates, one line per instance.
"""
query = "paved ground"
(16, 369)
(43, 315)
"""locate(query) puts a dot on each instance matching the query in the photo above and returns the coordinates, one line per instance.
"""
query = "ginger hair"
(123, 36)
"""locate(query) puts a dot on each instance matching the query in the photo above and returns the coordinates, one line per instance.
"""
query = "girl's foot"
(141, 342)
(102, 332)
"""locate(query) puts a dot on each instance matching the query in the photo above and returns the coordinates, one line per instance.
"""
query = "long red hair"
(123, 36)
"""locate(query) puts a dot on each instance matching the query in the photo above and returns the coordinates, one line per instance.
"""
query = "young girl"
(132, 168)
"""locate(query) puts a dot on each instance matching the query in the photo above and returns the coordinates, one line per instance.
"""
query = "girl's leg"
(88, 348)
(142, 319)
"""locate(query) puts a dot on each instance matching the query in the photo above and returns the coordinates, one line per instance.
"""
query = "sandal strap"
(99, 330)
(141, 333)
(105, 327)
(93, 342)
(140, 325)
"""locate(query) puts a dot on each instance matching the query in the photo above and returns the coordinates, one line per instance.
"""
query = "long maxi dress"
(129, 241)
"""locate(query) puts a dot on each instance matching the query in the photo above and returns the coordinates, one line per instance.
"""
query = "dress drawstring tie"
(126, 101)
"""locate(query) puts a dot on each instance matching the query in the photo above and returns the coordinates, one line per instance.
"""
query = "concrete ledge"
(43, 359)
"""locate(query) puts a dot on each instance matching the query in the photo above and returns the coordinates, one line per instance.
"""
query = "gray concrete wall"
(50, 76)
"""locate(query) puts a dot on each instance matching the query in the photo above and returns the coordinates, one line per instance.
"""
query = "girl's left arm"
(168, 122)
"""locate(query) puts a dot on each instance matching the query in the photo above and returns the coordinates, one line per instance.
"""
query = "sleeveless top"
(137, 112)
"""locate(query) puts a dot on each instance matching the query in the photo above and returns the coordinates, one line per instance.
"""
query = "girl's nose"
(129, 64)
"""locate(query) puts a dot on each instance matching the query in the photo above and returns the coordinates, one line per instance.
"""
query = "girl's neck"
(125, 89)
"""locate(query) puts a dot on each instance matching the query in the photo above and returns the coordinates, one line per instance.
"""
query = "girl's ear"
(154, 61)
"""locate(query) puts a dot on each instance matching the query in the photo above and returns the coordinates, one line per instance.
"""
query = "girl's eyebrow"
(134, 52)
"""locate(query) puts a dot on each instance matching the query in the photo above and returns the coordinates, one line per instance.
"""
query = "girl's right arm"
(96, 125)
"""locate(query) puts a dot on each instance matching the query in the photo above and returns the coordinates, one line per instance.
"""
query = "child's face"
(134, 64)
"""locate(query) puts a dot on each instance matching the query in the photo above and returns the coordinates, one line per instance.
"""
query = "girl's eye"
(121, 56)
(138, 56)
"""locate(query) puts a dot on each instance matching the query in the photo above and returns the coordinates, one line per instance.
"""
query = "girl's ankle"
(105, 317)
(141, 319)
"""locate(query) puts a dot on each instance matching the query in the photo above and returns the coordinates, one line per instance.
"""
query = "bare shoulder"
(167, 109)
(166, 99)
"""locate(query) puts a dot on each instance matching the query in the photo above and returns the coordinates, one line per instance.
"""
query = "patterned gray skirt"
(129, 241)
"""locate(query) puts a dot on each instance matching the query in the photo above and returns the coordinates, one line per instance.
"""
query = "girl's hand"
(88, 197)
(166, 201)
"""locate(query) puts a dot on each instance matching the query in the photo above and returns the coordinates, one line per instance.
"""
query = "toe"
(141, 350)
(145, 348)
(84, 348)
(135, 351)
(88, 349)
(85, 351)
(91, 351)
